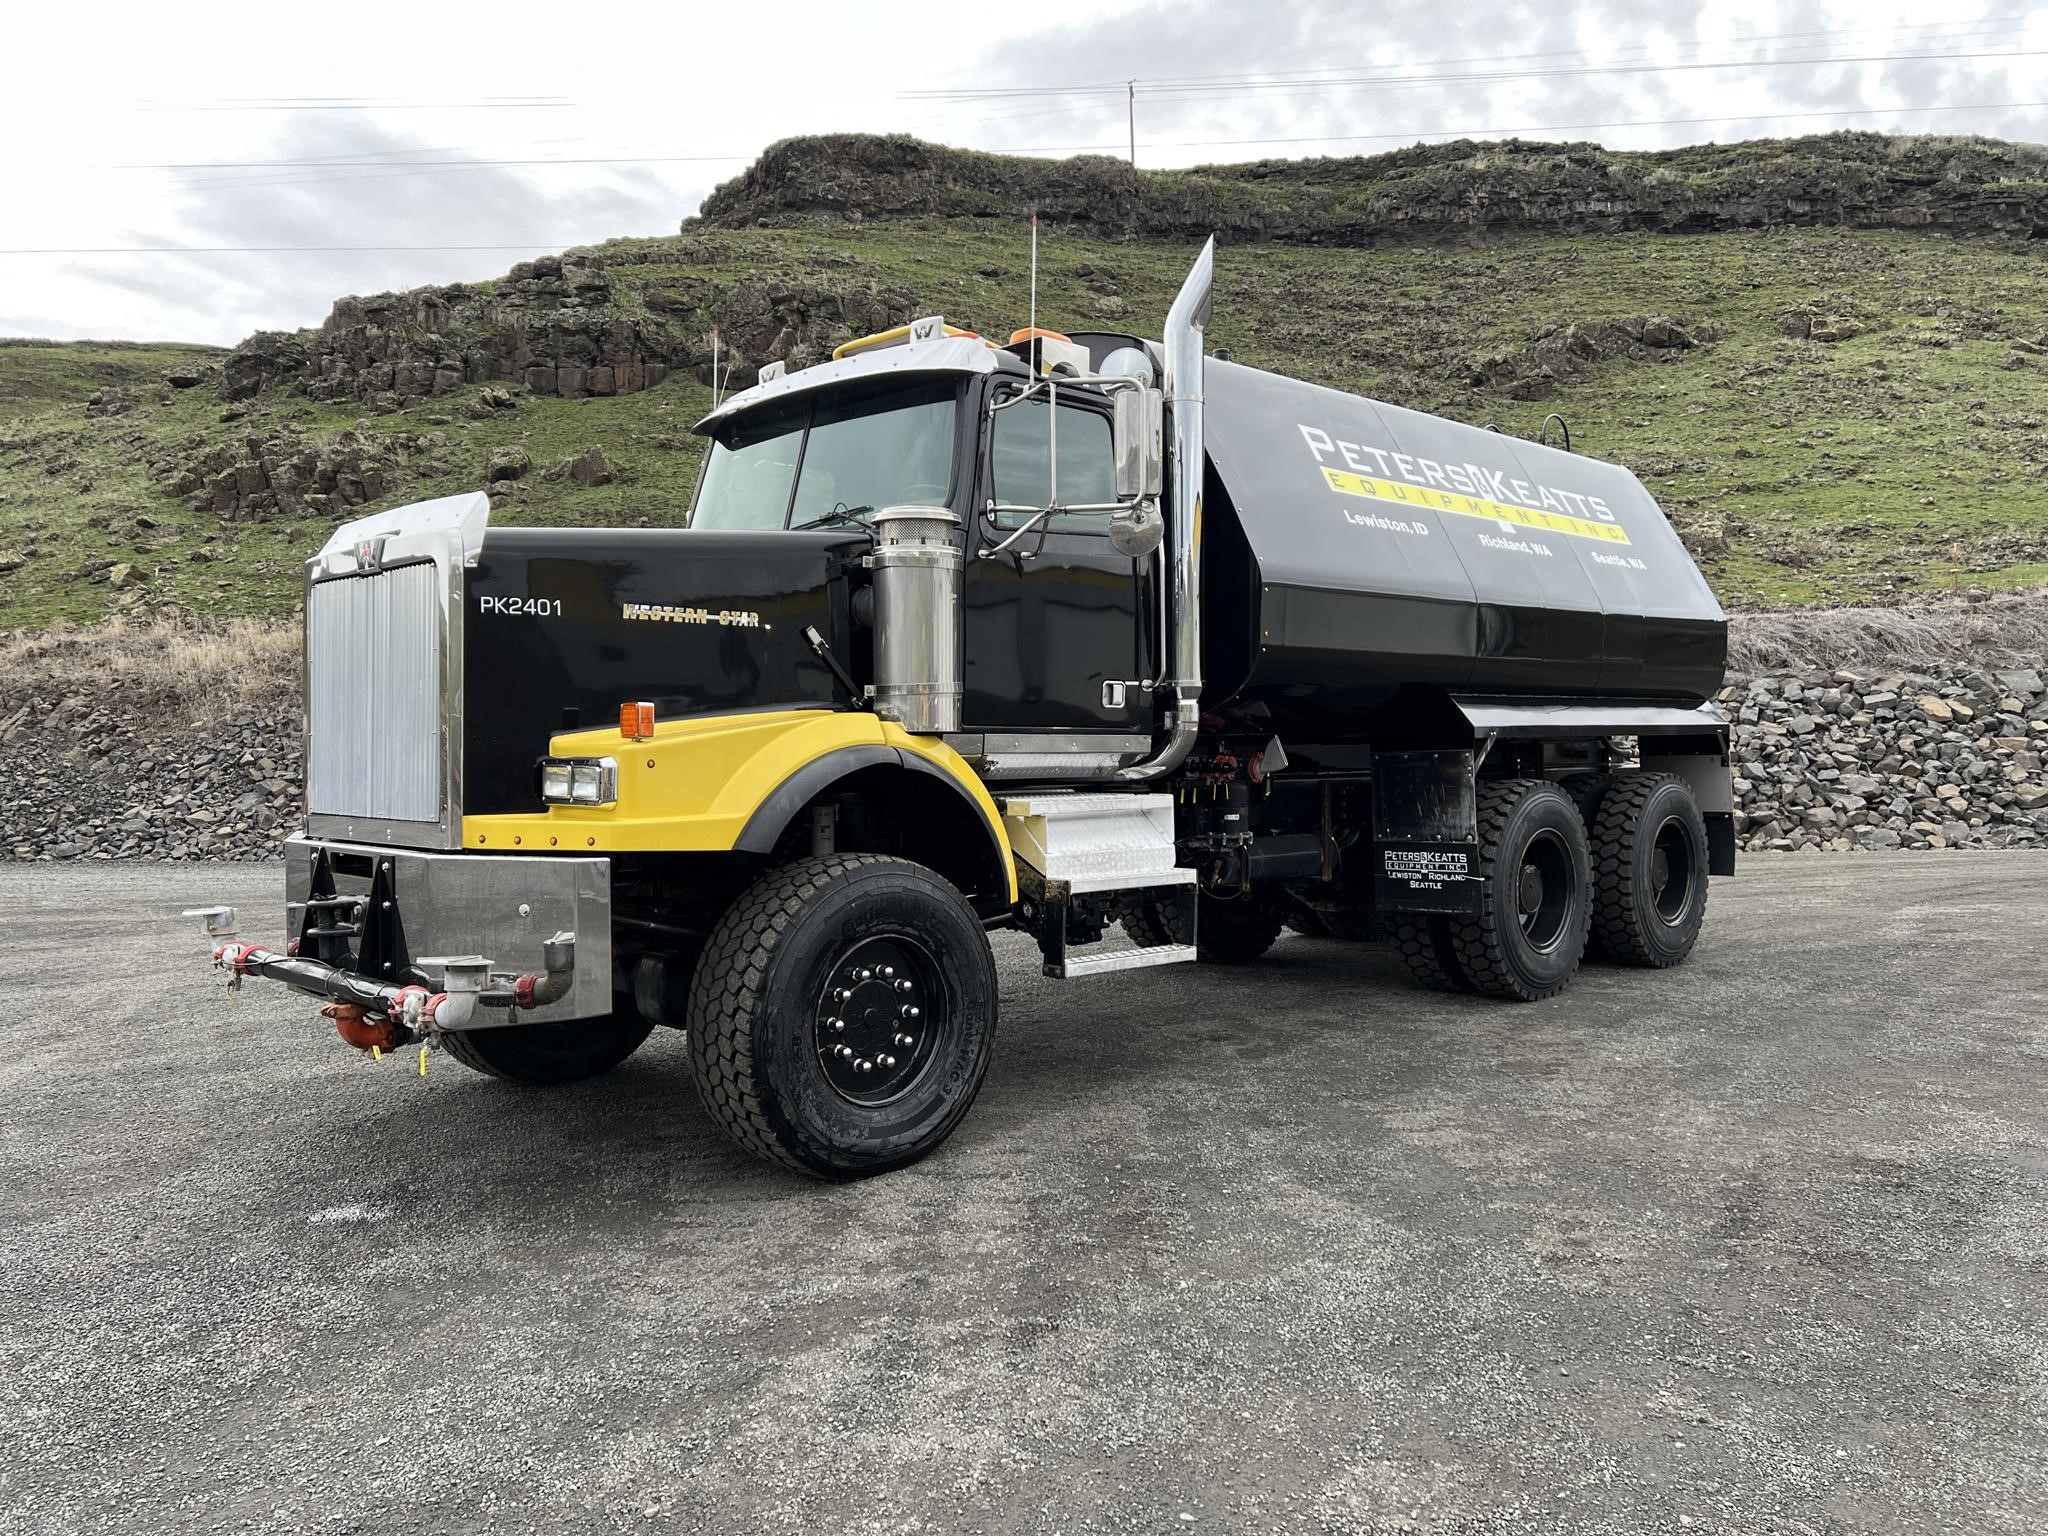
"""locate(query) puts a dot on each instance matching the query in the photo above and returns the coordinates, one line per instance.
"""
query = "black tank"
(1351, 547)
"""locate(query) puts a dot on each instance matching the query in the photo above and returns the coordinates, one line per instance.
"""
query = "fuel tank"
(1351, 547)
(563, 625)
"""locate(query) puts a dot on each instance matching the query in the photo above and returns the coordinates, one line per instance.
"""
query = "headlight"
(579, 780)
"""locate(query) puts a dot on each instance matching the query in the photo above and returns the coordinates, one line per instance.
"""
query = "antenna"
(1034, 269)
(715, 392)
(1131, 103)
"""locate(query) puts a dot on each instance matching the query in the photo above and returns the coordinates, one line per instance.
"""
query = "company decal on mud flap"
(662, 613)
(1466, 490)
(1428, 877)
(1428, 868)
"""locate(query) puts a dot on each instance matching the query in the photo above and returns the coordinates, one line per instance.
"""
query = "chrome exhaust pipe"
(1185, 323)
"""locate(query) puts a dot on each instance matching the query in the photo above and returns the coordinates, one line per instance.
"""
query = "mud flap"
(1425, 832)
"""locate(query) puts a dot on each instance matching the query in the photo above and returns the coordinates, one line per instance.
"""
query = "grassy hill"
(1852, 413)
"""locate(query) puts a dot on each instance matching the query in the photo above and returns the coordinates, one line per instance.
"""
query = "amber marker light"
(636, 721)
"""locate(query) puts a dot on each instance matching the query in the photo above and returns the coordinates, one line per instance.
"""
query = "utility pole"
(1131, 102)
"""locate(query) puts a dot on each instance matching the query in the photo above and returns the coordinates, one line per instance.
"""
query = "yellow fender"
(729, 783)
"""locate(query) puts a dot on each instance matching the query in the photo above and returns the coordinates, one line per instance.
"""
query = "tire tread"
(1618, 925)
(1479, 941)
(725, 994)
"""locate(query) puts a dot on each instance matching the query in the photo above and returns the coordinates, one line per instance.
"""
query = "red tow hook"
(362, 1032)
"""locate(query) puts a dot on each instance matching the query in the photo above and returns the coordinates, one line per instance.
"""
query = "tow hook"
(364, 1033)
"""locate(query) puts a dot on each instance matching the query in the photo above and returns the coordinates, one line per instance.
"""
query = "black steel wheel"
(545, 1054)
(843, 1014)
(1650, 870)
(871, 1026)
(1535, 893)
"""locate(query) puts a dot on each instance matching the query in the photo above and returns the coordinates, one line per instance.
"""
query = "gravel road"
(1759, 1246)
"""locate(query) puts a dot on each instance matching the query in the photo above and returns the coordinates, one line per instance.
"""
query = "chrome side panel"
(502, 907)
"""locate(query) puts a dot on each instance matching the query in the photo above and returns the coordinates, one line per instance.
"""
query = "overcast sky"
(382, 131)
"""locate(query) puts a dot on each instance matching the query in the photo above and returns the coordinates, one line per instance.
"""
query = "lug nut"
(906, 1041)
(885, 1061)
(868, 974)
(842, 1050)
(888, 970)
(838, 1025)
(909, 1011)
(863, 1065)
(903, 985)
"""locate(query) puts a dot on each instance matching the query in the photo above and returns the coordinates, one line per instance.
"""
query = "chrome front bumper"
(503, 907)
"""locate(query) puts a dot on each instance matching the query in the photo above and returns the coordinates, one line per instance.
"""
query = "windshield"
(782, 467)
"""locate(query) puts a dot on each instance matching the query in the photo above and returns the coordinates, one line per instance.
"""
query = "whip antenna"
(1034, 269)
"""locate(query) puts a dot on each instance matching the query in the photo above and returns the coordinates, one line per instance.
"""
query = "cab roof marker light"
(636, 721)
(924, 328)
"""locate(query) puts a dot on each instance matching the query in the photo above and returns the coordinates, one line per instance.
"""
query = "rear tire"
(1228, 930)
(1650, 870)
(1535, 893)
(822, 966)
(546, 1054)
(1423, 941)
(1587, 790)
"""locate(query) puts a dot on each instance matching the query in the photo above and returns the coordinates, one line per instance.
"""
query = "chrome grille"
(373, 694)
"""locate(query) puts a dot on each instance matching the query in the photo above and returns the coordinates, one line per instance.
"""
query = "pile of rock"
(1834, 761)
(80, 783)
(1824, 762)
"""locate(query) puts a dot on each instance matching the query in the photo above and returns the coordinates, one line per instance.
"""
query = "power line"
(449, 167)
(364, 104)
(1250, 85)
(248, 250)
(1645, 122)
(1945, 32)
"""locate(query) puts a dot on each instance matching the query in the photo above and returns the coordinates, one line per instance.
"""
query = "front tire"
(843, 1015)
(1535, 893)
(1650, 872)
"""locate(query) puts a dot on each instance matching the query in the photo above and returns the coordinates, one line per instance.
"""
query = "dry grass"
(158, 673)
(2004, 631)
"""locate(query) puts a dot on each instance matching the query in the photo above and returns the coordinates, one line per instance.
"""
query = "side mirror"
(1139, 428)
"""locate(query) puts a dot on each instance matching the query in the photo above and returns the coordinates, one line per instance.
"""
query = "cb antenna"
(1034, 269)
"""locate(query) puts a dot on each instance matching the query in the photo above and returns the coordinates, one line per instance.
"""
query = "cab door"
(1058, 625)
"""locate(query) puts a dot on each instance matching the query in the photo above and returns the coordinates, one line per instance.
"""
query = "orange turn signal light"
(1035, 333)
(636, 721)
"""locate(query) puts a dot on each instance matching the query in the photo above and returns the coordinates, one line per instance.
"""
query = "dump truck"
(1137, 650)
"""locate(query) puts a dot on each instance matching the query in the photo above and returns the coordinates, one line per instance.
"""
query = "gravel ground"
(1760, 1246)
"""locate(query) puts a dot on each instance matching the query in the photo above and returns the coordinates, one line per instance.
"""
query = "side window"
(1021, 458)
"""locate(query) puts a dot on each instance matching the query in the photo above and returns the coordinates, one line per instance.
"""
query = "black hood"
(563, 625)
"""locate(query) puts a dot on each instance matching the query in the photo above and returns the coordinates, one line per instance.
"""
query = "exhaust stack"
(1185, 323)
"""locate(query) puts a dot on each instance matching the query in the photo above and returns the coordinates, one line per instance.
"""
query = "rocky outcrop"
(561, 326)
(253, 478)
(1851, 180)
